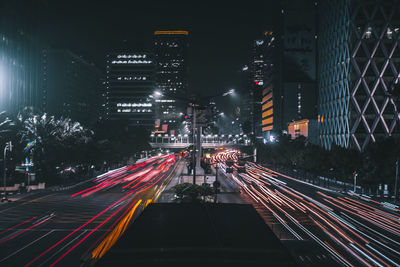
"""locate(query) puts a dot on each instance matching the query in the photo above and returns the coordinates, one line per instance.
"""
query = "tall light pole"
(196, 129)
(194, 143)
(355, 180)
(396, 179)
(8, 147)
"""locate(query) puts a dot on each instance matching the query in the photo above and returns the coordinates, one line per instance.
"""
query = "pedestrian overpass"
(207, 141)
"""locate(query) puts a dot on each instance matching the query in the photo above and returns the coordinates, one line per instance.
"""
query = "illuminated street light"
(272, 138)
(230, 92)
(157, 93)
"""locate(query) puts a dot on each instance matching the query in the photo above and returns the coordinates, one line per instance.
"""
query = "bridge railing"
(205, 139)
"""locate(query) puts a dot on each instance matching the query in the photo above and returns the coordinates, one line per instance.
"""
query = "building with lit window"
(288, 91)
(170, 50)
(258, 70)
(246, 108)
(358, 71)
(130, 80)
(299, 53)
(271, 95)
(306, 128)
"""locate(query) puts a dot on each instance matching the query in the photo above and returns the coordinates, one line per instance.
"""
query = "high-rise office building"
(130, 80)
(289, 90)
(246, 108)
(72, 86)
(271, 96)
(359, 55)
(258, 69)
(170, 50)
(299, 53)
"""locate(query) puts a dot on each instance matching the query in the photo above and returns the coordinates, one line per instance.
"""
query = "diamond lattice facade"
(359, 65)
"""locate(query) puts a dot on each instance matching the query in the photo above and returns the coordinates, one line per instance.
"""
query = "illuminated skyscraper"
(270, 92)
(170, 49)
(130, 79)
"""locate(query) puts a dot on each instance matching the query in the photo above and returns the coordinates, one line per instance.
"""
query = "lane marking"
(58, 251)
(19, 250)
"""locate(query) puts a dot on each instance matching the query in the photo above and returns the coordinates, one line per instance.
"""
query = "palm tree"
(52, 142)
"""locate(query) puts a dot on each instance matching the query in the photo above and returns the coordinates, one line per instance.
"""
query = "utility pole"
(194, 144)
(8, 147)
(396, 180)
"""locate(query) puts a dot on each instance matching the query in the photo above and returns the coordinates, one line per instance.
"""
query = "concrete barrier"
(36, 187)
(11, 188)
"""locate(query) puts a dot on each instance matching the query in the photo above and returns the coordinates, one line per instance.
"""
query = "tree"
(52, 143)
(188, 192)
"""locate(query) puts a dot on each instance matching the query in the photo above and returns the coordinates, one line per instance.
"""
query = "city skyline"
(170, 133)
(81, 28)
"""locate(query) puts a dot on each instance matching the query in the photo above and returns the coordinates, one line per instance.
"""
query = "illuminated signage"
(131, 62)
(134, 104)
(171, 32)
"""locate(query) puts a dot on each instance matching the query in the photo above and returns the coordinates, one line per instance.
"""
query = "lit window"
(368, 33)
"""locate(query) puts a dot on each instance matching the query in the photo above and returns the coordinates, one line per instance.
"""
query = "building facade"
(306, 128)
(21, 58)
(359, 55)
(130, 80)
(289, 91)
(299, 53)
(72, 86)
(246, 108)
(170, 50)
(271, 93)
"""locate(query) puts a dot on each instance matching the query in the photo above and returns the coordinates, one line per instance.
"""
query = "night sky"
(220, 32)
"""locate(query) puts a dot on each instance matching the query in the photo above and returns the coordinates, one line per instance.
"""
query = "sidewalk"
(17, 196)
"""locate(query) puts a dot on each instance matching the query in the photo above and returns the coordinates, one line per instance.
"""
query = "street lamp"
(229, 92)
(8, 147)
(194, 103)
(157, 93)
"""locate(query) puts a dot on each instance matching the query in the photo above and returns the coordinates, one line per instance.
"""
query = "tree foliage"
(187, 192)
(375, 165)
(55, 144)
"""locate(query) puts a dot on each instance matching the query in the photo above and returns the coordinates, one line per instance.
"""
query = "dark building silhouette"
(299, 48)
(72, 86)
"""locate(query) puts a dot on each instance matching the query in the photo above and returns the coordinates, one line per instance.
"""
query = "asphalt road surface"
(71, 227)
(352, 229)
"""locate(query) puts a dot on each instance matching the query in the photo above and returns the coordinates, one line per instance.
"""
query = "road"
(65, 228)
(353, 230)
